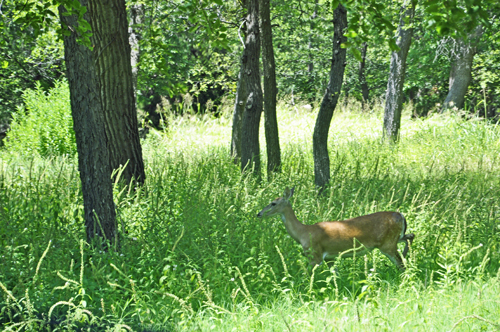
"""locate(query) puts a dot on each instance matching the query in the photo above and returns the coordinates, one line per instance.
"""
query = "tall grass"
(194, 256)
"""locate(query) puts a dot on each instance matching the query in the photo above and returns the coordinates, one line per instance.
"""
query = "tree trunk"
(88, 123)
(394, 94)
(461, 70)
(365, 92)
(270, 90)
(250, 151)
(239, 109)
(136, 14)
(112, 56)
(330, 99)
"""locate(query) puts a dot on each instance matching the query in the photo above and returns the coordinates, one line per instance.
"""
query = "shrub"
(44, 125)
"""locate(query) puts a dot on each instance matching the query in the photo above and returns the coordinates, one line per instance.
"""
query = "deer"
(325, 240)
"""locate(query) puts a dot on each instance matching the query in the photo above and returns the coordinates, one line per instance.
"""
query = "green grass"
(195, 257)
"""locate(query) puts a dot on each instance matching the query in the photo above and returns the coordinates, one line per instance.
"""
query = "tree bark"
(239, 109)
(270, 91)
(365, 92)
(136, 15)
(112, 56)
(394, 94)
(330, 99)
(250, 150)
(461, 70)
(88, 123)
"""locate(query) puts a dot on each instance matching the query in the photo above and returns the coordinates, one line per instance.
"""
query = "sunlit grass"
(195, 257)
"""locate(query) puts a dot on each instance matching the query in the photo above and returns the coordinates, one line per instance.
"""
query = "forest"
(143, 145)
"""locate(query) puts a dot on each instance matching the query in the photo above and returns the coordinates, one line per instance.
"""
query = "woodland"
(139, 140)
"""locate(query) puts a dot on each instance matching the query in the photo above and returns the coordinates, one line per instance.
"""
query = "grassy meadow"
(194, 256)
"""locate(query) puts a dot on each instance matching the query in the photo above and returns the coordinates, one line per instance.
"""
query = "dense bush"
(44, 126)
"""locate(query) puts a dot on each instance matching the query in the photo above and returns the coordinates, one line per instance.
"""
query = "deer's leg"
(313, 255)
(405, 239)
(394, 256)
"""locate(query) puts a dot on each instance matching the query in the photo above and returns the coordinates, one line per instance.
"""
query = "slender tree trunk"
(365, 92)
(310, 66)
(461, 70)
(112, 56)
(394, 94)
(330, 99)
(136, 15)
(270, 122)
(250, 150)
(239, 109)
(88, 123)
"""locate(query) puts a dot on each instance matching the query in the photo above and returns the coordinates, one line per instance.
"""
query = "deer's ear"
(288, 193)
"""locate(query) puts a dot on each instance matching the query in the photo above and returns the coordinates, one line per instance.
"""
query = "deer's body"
(381, 230)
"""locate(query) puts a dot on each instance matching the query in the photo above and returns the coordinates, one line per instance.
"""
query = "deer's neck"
(293, 226)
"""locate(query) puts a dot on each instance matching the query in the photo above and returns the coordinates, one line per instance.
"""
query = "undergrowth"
(195, 257)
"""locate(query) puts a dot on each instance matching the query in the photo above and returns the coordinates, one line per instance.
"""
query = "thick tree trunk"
(88, 123)
(250, 150)
(112, 56)
(394, 93)
(330, 99)
(136, 14)
(365, 92)
(270, 90)
(461, 70)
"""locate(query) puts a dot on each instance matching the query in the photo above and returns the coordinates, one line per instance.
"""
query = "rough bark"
(365, 92)
(461, 70)
(270, 90)
(250, 150)
(330, 99)
(239, 109)
(136, 14)
(112, 56)
(88, 123)
(394, 93)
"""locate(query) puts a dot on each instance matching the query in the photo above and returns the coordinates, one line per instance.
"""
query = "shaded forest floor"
(195, 257)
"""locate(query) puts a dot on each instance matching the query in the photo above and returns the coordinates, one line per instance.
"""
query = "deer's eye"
(273, 204)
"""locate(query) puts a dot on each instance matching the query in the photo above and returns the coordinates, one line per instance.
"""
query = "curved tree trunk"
(250, 150)
(269, 67)
(394, 94)
(88, 123)
(112, 57)
(461, 70)
(330, 99)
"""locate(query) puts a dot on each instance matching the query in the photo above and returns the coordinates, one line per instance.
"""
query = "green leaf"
(5, 64)
(351, 34)
(393, 46)
(356, 53)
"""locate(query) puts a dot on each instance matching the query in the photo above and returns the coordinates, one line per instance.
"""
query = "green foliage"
(302, 35)
(185, 48)
(45, 125)
(457, 18)
(27, 55)
(484, 93)
(195, 257)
